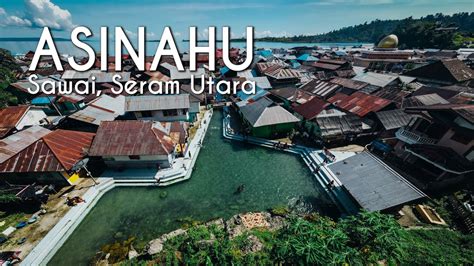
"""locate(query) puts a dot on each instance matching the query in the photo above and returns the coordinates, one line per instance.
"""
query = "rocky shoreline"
(234, 227)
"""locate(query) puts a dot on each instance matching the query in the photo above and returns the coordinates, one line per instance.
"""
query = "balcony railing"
(411, 137)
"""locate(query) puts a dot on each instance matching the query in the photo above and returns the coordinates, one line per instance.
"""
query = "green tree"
(8, 68)
(311, 242)
(374, 236)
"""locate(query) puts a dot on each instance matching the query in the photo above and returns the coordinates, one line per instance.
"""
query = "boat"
(20, 225)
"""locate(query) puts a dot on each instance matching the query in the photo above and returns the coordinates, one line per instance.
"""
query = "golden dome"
(389, 42)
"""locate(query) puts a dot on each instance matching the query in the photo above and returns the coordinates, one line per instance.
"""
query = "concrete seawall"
(50, 244)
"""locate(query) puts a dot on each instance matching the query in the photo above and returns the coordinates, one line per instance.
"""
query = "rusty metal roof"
(10, 117)
(359, 103)
(68, 146)
(56, 151)
(312, 108)
(124, 138)
(326, 66)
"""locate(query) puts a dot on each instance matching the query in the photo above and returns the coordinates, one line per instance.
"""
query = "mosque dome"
(388, 42)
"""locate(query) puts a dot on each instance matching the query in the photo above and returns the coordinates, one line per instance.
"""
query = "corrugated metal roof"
(10, 117)
(339, 126)
(68, 146)
(261, 82)
(349, 83)
(312, 108)
(261, 113)
(423, 100)
(373, 184)
(156, 102)
(125, 138)
(93, 115)
(393, 119)
(15, 143)
(59, 150)
(376, 79)
(359, 103)
(103, 108)
(283, 73)
(319, 87)
(78, 75)
(326, 66)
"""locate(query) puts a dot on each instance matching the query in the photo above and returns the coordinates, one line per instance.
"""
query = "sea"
(65, 47)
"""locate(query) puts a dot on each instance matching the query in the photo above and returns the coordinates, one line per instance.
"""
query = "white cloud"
(9, 20)
(44, 13)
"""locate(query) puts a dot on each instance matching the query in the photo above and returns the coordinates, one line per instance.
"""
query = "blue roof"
(307, 57)
(265, 53)
(259, 92)
(295, 64)
(224, 70)
(43, 100)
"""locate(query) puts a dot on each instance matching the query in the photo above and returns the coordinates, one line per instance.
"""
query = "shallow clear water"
(270, 177)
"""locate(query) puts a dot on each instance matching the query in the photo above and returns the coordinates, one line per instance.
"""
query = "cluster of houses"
(418, 104)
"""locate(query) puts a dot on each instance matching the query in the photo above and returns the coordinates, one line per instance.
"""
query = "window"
(461, 138)
(147, 114)
(134, 157)
(172, 112)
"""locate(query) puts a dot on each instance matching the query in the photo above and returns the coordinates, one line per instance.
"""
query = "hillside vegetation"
(426, 32)
(8, 68)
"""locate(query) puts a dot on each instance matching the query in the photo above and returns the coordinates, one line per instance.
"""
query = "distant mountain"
(439, 27)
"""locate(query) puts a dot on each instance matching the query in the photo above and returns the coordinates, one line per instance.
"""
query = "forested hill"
(448, 26)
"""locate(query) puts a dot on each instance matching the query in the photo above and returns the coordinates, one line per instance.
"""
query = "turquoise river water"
(270, 177)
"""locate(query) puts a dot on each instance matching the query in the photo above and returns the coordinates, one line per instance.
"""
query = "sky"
(25, 18)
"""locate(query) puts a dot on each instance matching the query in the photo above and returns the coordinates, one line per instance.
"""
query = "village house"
(163, 108)
(443, 72)
(122, 144)
(278, 73)
(263, 118)
(183, 77)
(438, 141)
(289, 96)
(103, 108)
(16, 118)
(39, 155)
(360, 104)
(20, 88)
(320, 88)
(373, 185)
(329, 67)
(310, 111)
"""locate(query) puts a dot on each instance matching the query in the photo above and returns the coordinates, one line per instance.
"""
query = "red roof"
(68, 146)
(312, 108)
(59, 150)
(125, 138)
(359, 103)
(9, 118)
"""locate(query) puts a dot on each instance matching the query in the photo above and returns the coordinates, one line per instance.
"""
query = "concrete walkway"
(313, 158)
(180, 171)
